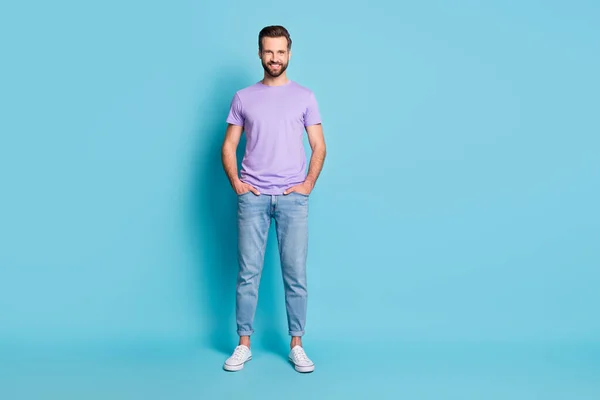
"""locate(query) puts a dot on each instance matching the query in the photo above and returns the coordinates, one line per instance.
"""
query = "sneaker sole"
(302, 369)
(228, 367)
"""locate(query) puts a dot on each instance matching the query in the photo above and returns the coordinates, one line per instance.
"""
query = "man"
(273, 185)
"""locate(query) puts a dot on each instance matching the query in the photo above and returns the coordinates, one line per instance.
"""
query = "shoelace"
(300, 355)
(239, 353)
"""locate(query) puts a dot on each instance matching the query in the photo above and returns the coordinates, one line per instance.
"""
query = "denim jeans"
(290, 213)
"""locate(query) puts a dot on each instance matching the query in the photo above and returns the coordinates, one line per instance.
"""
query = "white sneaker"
(301, 362)
(240, 355)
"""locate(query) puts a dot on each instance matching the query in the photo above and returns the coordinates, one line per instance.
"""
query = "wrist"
(310, 183)
(235, 182)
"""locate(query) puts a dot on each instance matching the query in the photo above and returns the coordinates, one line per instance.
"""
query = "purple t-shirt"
(274, 119)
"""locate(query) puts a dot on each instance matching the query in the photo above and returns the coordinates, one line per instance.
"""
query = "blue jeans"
(255, 213)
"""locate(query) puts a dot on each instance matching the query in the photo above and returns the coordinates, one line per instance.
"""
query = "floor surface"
(343, 371)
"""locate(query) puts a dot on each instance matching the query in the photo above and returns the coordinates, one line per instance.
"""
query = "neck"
(270, 81)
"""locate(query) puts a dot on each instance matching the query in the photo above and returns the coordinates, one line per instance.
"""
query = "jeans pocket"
(301, 194)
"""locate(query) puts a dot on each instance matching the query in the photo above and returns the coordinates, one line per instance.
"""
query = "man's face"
(275, 55)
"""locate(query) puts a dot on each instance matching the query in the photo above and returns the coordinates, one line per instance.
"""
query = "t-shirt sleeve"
(236, 114)
(312, 115)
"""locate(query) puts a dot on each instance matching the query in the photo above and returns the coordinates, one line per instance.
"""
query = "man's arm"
(229, 159)
(317, 158)
(316, 140)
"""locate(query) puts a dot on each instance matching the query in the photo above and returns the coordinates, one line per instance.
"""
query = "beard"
(274, 73)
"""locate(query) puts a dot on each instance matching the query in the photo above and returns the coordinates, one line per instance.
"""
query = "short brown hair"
(274, 31)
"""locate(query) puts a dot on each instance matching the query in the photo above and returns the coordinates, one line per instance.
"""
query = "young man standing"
(273, 185)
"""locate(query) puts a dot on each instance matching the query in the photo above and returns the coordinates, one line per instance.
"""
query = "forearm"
(229, 160)
(317, 160)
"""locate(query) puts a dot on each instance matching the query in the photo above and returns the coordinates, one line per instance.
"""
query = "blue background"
(455, 223)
